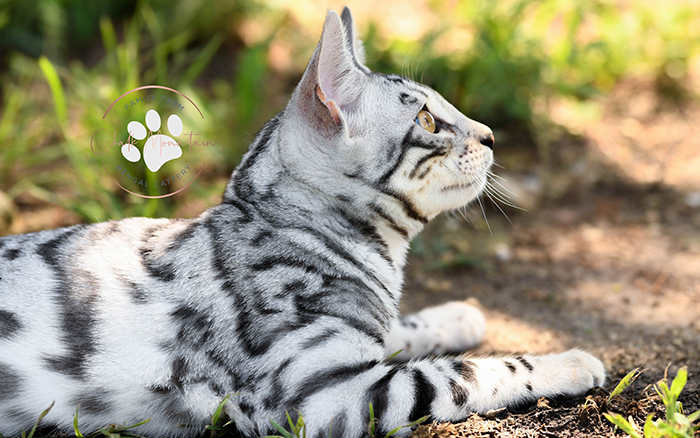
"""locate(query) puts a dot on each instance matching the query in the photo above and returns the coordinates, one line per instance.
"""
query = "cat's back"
(86, 306)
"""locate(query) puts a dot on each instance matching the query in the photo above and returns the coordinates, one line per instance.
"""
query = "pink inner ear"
(332, 107)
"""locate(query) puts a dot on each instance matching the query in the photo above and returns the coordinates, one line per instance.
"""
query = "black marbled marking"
(9, 324)
(74, 295)
(460, 395)
(510, 366)
(262, 237)
(195, 326)
(423, 160)
(407, 99)
(525, 363)
(183, 236)
(96, 402)
(10, 383)
(161, 271)
(178, 371)
(406, 323)
(465, 368)
(378, 395)
(318, 339)
(423, 396)
(136, 292)
(247, 408)
(277, 393)
(337, 427)
(326, 379)
(389, 220)
(241, 180)
(11, 254)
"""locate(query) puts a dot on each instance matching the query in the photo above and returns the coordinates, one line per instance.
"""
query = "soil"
(609, 264)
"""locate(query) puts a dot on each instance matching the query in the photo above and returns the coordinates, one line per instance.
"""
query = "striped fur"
(286, 294)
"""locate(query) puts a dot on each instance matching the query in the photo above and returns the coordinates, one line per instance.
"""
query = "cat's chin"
(453, 197)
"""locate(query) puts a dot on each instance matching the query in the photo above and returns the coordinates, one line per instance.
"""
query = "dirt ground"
(611, 264)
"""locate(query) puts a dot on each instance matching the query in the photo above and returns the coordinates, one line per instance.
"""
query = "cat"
(285, 295)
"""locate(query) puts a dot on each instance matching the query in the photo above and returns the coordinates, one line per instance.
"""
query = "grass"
(298, 429)
(519, 57)
(220, 423)
(676, 423)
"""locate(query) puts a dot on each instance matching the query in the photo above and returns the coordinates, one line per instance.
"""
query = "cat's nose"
(488, 140)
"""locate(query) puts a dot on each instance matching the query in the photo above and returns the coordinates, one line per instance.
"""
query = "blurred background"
(576, 91)
(594, 104)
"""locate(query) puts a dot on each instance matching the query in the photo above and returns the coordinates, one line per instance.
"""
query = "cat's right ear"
(333, 81)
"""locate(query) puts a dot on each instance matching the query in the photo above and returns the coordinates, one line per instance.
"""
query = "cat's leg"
(451, 327)
(446, 389)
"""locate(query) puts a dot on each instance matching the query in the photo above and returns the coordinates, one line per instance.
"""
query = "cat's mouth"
(460, 186)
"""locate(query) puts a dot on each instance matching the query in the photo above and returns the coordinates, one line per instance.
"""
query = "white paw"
(450, 327)
(159, 148)
(458, 326)
(585, 371)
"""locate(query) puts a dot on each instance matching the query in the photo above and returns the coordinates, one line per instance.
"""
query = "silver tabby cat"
(285, 295)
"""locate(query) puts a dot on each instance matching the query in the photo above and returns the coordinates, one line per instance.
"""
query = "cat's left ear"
(354, 43)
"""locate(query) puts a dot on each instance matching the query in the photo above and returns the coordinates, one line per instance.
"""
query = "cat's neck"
(371, 226)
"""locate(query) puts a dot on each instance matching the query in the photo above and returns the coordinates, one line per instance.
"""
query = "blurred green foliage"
(64, 61)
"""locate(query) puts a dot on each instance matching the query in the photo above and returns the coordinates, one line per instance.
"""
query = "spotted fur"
(285, 294)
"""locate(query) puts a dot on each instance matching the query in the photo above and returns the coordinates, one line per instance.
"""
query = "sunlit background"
(618, 79)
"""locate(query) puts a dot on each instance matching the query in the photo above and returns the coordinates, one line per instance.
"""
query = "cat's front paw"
(585, 371)
(448, 328)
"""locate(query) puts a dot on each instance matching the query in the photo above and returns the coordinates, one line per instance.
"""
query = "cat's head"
(375, 139)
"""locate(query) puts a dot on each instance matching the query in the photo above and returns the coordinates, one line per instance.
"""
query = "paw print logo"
(158, 148)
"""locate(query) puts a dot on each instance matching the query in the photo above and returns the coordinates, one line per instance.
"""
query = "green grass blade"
(54, 81)
(619, 421)
(219, 409)
(202, 60)
(75, 424)
(649, 426)
(679, 381)
(694, 416)
(292, 427)
(418, 421)
(109, 433)
(281, 430)
(141, 423)
(624, 383)
(41, 416)
(393, 355)
(109, 40)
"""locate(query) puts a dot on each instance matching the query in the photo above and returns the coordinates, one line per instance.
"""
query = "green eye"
(426, 121)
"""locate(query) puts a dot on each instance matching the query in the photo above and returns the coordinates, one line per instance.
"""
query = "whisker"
(499, 196)
(483, 211)
(500, 209)
(506, 189)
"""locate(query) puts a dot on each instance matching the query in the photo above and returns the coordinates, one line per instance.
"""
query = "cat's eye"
(426, 121)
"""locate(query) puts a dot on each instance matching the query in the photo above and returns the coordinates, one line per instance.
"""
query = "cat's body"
(285, 295)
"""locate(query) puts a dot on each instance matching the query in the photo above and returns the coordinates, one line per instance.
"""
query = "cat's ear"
(355, 44)
(332, 82)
